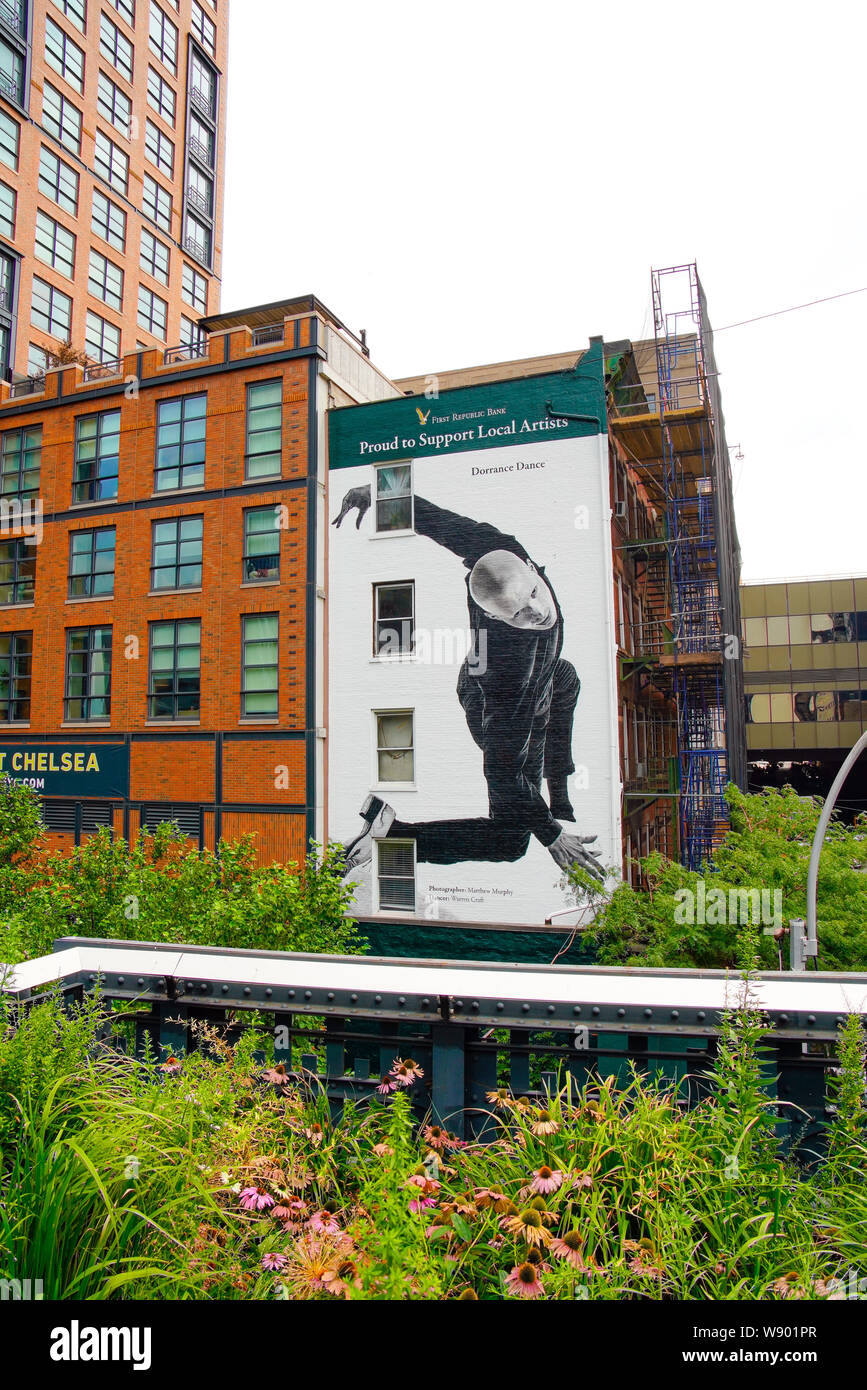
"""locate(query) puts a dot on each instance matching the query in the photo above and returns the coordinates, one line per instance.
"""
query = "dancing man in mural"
(519, 705)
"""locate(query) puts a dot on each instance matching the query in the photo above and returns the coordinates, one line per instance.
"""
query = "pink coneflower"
(570, 1248)
(274, 1261)
(256, 1199)
(386, 1086)
(424, 1182)
(580, 1179)
(171, 1066)
(324, 1223)
(434, 1136)
(342, 1278)
(419, 1204)
(524, 1282)
(490, 1197)
(501, 1098)
(382, 1150)
(315, 1133)
(527, 1226)
(545, 1123)
(546, 1180)
(406, 1072)
(282, 1213)
(277, 1076)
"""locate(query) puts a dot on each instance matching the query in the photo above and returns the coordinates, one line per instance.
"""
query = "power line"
(792, 308)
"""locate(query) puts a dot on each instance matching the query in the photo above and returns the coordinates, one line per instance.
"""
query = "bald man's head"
(512, 590)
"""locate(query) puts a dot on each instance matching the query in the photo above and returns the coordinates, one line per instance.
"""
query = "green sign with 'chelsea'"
(73, 770)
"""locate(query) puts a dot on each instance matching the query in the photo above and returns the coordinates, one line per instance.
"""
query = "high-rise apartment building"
(112, 120)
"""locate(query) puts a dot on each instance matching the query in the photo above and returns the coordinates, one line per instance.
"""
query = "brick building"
(112, 125)
(161, 615)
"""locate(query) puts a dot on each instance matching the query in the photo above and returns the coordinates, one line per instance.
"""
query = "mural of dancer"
(519, 704)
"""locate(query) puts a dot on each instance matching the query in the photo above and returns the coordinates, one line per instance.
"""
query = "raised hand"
(569, 849)
(356, 497)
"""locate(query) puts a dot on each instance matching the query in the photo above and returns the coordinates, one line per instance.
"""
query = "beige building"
(112, 120)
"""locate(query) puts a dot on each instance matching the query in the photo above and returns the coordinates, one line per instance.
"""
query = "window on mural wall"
(394, 497)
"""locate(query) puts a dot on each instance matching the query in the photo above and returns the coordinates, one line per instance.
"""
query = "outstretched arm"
(464, 537)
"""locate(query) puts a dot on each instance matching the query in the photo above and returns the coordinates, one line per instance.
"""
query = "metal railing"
(274, 333)
(97, 371)
(10, 87)
(203, 103)
(14, 15)
(201, 151)
(31, 386)
(465, 1023)
(186, 352)
(197, 249)
(198, 201)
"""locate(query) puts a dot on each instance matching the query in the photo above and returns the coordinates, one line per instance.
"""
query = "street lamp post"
(818, 838)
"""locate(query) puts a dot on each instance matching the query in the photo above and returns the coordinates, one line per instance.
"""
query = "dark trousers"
(496, 837)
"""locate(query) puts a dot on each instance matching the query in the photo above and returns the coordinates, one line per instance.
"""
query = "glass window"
(55, 245)
(800, 632)
(91, 563)
(61, 119)
(781, 708)
(193, 336)
(115, 46)
(394, 614)
(97, 456)
(755, 632)
(203, 85)
(198, 239)
(153, 312)
(58, 181)
(264, 430)
(200, 191)
(177, 553)
(37, 360)
(175, 670)
(108, 221)
(11, 72)
(156, 203)
(17, 570)
(395, 864)
(163, 38)
(195, 289)
(110, 162)
(204, 29)
(155, 257)
(394, 747)
(114, 104)
(261, 544)
(160, 149)
(10, 139)
(50, 310)
(126, 9)
(181, 433)
(394, 510)
(75, 11)
(88, 674)
(105, 280)
(260, 681)
(161, 96)
(16, 674)
(20, 462)
(201, 141)
(63, 55)
(8, 200)
(834, 627)
(102, 339)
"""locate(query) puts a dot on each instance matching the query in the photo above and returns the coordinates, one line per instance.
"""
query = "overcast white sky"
(476, 181)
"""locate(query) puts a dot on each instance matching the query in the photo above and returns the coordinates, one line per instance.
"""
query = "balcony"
(187, 352)
(15, 16)
(202, 103)
(10, 87)
(199, 202)
(30, 386)
(98, 371)
(199, 250)
(201, 152)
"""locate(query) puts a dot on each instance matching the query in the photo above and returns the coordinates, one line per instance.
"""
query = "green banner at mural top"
(556, 405)
(72, 770)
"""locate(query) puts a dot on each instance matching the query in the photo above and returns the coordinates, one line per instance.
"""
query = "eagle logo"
(422, 417)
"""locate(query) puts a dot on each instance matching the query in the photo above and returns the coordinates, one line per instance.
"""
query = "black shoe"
(378, 818)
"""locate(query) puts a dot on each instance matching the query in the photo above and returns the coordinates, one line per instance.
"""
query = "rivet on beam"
(459, 1003)
(331, 996)
(141, 982)
(525, 1008)
(551, 1009)
(247, 991)
(595, 1011)
(121, 979)
(225, 989)
(353, 998)
(500, 1007)
(475, 1005)
(203, 987)
(577, 1009)
(701, 1015)
(377, 999)
(268, 992)
(621, 1013)
(291, 994)
(675, 1013)
(784, 1018)
(402, 999)
(425, 1003)
(648, 1013)
(811, 1018)
(308, 994)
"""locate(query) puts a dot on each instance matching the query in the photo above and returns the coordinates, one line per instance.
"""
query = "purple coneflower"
(570, 1248)
(274, 1261)
(419, 1204)
(546, 1180)
(386, 1086)
(544, 1123)
(324, 1223)
(524, 1281)
(171, 1066)
(255, 1199)
(527, 1225)
(277, 1076)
